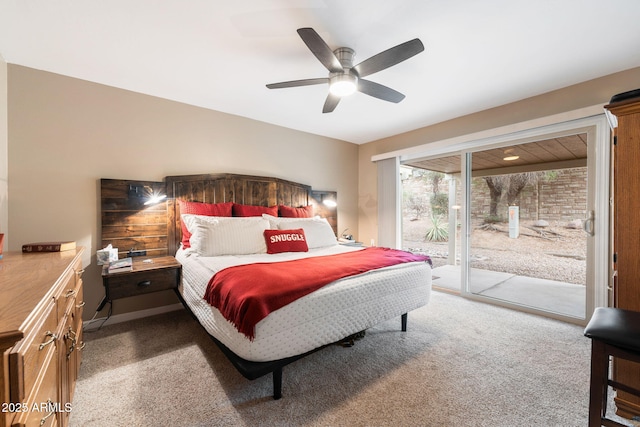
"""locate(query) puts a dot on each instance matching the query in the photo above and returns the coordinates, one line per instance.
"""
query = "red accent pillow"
(250, 210)
(285, 241)
(289, 212)
(198, 208)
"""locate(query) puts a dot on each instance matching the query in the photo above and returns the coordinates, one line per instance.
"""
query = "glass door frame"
(598, 166)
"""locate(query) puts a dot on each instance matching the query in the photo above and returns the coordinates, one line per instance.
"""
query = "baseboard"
(125, 317)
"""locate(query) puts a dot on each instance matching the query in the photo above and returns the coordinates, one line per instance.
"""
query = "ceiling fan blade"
(295, 83)
(320, 49)
(389, 57)
(379, 91)
(330, 103)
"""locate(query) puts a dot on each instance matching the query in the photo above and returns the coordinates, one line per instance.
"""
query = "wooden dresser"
(41, 307)
(626, 235)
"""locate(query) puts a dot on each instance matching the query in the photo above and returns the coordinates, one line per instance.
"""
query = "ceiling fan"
(346, 78)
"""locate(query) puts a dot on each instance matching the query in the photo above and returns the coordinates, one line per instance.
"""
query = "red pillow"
(250, 210)
(285, 241)
(289, 212)
(198, 208)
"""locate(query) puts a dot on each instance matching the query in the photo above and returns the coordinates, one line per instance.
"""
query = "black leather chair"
(613, 332)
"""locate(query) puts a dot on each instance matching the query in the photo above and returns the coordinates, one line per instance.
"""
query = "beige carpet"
(461, 363)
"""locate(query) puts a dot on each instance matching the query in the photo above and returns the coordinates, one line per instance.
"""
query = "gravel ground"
(555, 252)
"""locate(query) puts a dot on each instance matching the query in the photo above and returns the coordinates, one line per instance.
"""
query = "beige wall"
(65, 134)
(4, 195)
(586, 94)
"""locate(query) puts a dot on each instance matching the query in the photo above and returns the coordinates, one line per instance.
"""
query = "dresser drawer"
(78, 307)
(40, 295)
(26, 359)
(135, 283)
(43, 405)
(68, 291)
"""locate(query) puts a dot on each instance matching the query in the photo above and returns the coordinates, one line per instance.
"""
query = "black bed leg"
(277, 384)
(404, 322)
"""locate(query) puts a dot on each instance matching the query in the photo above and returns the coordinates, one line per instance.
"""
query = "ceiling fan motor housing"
(345, 55)
(345, 82)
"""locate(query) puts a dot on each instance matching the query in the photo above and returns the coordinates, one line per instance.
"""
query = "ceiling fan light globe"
(343, 85)
(342, 89)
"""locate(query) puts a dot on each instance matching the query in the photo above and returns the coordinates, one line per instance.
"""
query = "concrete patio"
(558, 297)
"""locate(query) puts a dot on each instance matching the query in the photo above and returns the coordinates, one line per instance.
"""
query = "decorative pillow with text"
(285, 241)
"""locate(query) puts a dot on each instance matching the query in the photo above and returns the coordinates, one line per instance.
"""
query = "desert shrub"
(439, 231)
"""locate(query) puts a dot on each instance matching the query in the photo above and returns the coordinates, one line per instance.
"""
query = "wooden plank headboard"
(220, 188)
(127, 223)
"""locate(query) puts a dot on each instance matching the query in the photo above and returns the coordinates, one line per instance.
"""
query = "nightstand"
(351, 243)
(148, 275)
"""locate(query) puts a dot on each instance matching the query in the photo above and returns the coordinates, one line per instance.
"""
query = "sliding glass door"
(528, 208)
(431, 217)
(521, 222)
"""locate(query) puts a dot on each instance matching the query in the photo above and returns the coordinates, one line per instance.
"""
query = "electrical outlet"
(137, 253)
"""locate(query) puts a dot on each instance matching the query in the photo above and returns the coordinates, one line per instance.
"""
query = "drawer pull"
(49, 405)
(79, 272)
(144, 283)
(71, 335)
(50, 341)
(81, 304)
(82, 345)
(70, 293)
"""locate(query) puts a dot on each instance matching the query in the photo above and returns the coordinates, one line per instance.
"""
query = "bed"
(217, 245)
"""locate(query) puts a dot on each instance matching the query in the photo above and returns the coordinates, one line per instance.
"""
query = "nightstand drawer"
(136, 283)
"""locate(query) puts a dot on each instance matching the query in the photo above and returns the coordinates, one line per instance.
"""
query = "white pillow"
(275, 221)
(190, 220)
(215, 236)
(318, 233)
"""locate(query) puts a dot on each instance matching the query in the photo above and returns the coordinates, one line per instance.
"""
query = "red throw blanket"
(246, 294)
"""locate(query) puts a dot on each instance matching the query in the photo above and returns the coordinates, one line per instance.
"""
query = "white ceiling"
(219, 54)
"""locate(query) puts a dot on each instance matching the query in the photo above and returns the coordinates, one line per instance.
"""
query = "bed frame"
(249, 190)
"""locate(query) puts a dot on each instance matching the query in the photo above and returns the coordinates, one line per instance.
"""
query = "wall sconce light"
(329, 200)
(155, 199)
(325, 205)
(324, 199)
(145, 192)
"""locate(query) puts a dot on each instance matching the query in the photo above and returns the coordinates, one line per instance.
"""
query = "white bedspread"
(327, 315)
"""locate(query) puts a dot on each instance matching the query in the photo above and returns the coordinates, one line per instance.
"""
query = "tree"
(435, 178)
(514, 184)
(439, 201)
(495, 184)
(518, 181)
(416, 204)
